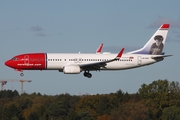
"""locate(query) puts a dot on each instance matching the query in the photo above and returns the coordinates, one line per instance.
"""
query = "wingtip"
(99, 48)
(120, 53)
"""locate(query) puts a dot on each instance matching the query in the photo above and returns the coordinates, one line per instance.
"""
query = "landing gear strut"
(87, 74)
(21, 74)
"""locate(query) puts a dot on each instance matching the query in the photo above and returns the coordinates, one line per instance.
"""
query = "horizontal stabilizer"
(162, 56)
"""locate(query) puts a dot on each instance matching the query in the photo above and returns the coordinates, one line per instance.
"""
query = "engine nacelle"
(72, 69)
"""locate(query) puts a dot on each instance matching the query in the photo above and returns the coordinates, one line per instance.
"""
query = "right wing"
(98, 65)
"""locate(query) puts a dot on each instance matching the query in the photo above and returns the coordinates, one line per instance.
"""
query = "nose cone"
(8, 63)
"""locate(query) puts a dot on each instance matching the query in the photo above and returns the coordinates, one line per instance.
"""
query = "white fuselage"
(57, 61)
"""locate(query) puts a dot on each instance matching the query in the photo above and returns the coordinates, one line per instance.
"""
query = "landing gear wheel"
(21, 74)
(87, 74)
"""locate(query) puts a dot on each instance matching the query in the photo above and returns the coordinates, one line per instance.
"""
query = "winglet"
(120, 53)
(99, 48)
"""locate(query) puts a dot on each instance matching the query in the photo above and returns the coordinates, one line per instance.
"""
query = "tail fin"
(156, 43)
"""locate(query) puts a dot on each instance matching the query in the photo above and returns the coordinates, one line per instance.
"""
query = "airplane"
(75, 63)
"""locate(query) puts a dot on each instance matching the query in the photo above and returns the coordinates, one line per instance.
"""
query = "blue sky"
(73, 26)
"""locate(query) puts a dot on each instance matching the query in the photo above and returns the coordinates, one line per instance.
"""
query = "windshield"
(14, 58)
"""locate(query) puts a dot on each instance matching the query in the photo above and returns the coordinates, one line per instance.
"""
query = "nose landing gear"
(21, 74)
(19, 70)
(87, 74)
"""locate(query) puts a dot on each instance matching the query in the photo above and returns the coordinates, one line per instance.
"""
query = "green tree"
(119, 94)
(15, 118)
(171, 113)
(11, 112)
(25, 102)
(130, 111)
(106, 104)
(61, 107)
(33, 116)
(5, 115)
(85, 115)
(8, 93)
(72, 115)
(159, 95)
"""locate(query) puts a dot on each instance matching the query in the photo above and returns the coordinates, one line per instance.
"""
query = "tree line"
(159, 100)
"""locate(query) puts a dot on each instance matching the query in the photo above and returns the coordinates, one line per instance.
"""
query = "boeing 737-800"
(75, 63)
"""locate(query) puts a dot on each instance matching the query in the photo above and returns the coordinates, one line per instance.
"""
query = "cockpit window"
(14, 58)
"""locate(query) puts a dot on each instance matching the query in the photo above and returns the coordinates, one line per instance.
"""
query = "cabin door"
(139, 60)
(26, 59)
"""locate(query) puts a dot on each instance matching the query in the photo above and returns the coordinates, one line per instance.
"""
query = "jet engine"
(72, 69)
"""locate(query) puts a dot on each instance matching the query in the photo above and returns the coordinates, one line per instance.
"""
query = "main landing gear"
(87, 74)
(21, 74)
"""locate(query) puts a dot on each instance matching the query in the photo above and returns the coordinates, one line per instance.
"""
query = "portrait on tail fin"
(156, 43)
(157, 46)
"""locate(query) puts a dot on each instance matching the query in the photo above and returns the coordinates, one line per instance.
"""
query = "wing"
(98, 65)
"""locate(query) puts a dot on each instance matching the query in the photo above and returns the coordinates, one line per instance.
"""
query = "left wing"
(98, 65)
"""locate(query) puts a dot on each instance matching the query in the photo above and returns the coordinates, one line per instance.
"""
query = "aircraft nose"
(7, 63)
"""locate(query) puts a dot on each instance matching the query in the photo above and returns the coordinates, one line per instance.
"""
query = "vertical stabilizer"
(156, 43)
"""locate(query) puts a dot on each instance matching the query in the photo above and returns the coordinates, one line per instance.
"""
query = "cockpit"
(14, 58)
